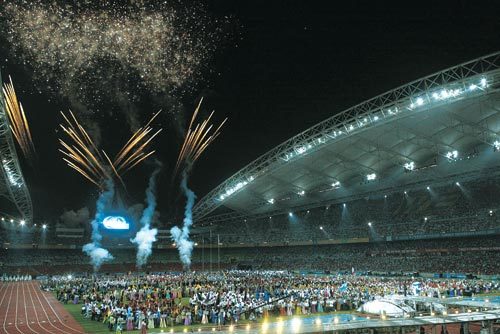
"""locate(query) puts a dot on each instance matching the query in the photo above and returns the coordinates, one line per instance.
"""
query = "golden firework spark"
(197, 140)
(132, 153)
(18, 121)
(84, 156)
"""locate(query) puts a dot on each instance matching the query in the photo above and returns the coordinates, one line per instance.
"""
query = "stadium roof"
(429, 130)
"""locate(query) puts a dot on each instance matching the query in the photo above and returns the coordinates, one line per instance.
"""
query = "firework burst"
(84, 156)
(91, 51)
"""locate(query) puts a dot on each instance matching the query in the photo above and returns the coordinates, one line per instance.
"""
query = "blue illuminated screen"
(115, 223)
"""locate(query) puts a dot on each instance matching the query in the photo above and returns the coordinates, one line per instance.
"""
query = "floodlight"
(496, 144)
(371, 177)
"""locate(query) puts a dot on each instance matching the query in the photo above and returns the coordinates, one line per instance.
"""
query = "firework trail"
(146, 235)
(18, 121)
(83, 155)
(196, 140)
(195, 143)
(132, 153)
(99, 255)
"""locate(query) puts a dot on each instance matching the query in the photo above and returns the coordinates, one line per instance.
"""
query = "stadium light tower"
(12, 184)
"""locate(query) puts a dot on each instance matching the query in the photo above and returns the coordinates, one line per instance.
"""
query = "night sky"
(285, 66)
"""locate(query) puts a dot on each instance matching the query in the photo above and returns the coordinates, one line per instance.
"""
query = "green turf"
(88, 326)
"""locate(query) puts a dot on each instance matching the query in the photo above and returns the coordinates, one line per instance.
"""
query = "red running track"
(25, 309)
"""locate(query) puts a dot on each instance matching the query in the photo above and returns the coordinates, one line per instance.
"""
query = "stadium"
(381, 218)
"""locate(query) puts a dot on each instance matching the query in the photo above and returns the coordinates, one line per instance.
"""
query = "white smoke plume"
(146, 235)
(99, 255)
(181, 236)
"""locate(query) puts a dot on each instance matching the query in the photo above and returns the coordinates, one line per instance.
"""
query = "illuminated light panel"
(496, 145)
(13, 179)
(296, 322)
(452, 155)
(115, 223)
(409, 166)
(265, 326)
(231, 190)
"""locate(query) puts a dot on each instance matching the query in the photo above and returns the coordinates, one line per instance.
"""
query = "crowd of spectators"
(464, 208)
(467, 208)
(455, 255)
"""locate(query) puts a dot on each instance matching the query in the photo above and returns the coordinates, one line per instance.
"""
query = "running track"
(25, 309)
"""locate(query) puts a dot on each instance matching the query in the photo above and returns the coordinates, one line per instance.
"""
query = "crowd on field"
(161, 300)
